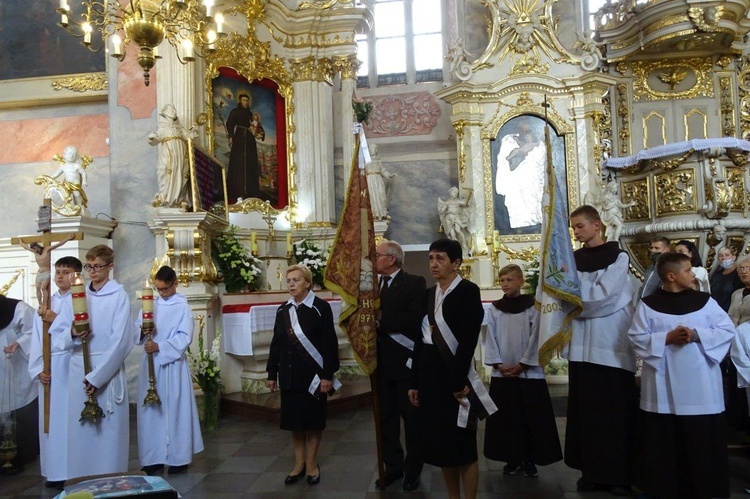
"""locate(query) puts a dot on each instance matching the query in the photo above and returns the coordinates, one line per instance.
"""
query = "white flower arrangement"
(240, 268)
(204, 365)
(308, 254)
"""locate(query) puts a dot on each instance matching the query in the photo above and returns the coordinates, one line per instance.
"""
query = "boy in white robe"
(53, 446)
(602, 392)
(99, 448)
(16, 325)
(168, 433)
(523, 432)
(682, 335)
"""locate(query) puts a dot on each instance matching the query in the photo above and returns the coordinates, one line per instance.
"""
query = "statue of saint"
(455, 217)
(378, 179)
(611, 211)
(172, 170)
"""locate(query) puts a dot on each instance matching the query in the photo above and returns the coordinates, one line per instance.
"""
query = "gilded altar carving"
(459, 127)
(640, 252)
(736, 181)
(672, 71)
(189, 254)
(253, 204)
(312, 69)
(323, 4)
(706, 18)
(689, 122)
(659, 164)
(637, 191)
(743, 85)
(623, 112)
(654, 116)
(347, 66)
(726, 100)
(524, 28)
(723, 62)
(675, 193)
(83, 83)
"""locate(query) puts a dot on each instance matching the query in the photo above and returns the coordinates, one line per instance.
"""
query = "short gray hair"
(742, 259)
(394, 249)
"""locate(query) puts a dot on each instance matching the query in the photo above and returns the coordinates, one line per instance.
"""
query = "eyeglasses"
(743, 269)
(165, 289)
(88, 267)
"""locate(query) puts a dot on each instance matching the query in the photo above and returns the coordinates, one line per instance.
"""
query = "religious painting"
(249, 136)
(519, 158)
(33, 46)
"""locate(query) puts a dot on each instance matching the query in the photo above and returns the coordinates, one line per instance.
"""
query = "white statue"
(455, 217)
(67, 196)
(378, 179)
(610, 211)
(172, 170)
(457, 56)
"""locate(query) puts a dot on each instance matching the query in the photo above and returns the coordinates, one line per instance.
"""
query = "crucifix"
(42, 247)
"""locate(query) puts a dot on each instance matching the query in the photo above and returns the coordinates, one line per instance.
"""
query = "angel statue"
(455, 217)
(591, 54)
(610, 210)
(67, 196)
(458, 58)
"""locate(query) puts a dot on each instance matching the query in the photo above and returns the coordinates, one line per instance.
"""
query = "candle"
(219, 18)
(64, 4)
(64, 20)
(116, 45)
(187, 50)
(147, 305)
(253, 242)
(211, 39)
(156, 53)
(87, 33)
(289, 245)
(80, 307)
(209, 4)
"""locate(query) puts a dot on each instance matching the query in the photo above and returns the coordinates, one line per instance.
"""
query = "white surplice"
(53, 446)
(599, 333)
(683, 380)
(509, 341)
(98, 448)
(22, 389)
(170, 433)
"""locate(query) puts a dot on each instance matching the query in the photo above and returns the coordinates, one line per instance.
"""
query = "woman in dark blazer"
(303, 357)
(442, 389)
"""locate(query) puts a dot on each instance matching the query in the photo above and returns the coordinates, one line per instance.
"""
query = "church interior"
(135, 143)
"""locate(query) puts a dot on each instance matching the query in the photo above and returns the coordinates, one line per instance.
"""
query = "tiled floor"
(245, 458)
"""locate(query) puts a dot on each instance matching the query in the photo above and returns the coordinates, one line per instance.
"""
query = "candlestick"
(254, 243)
(147, 313)
(289, 245)
(91, 412)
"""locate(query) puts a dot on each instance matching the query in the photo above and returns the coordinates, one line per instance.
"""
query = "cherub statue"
(68, 197)
(43, 256)
(172, 172)
(611, 210)
(457, 56)
(455, 217)
(378, 180)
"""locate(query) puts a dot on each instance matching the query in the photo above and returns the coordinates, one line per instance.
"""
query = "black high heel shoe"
(314, 480)
(290, 479)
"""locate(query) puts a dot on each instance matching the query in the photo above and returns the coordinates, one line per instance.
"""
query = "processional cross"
(42, 247)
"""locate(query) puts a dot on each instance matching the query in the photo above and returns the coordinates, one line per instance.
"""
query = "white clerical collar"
(308, 301)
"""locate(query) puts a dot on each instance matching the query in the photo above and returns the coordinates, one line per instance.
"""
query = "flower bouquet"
(362, 109)
(241, 270)
(204, 366)
(308, 254)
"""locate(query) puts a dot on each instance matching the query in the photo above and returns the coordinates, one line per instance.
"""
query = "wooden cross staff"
(42, 247)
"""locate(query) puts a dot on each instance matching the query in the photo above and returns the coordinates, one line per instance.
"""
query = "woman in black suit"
(303, 357)
(448, 392)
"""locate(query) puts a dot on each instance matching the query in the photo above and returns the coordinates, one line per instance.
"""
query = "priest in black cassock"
(19, 392)
(243, 175)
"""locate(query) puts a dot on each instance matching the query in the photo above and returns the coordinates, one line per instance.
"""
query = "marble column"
(348, 85)
(179, 84)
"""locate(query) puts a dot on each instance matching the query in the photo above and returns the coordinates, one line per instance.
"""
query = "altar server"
(19, 391)
(523, 432)
(447, 390)
(602, 392)
(168, 433)
(682, 335)
(98, 448)
(53, 446)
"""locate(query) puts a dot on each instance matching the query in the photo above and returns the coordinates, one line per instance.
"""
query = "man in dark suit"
(402, 307)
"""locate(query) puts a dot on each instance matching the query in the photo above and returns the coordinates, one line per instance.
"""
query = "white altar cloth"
(678, 148)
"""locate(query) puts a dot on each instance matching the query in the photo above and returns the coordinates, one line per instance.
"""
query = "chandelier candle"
(91, 412)
(147, 304)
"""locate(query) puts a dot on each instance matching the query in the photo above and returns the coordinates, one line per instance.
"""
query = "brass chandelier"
(190, 26)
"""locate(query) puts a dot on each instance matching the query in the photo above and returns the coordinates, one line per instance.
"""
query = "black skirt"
(300, 411)
(600, 431)
(682, 456)
(443, 443)
(523, 428)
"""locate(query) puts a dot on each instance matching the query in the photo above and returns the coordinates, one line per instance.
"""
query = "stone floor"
(246, 458)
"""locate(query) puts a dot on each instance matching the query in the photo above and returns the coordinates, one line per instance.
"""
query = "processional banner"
(350, 271)
(558, 295)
